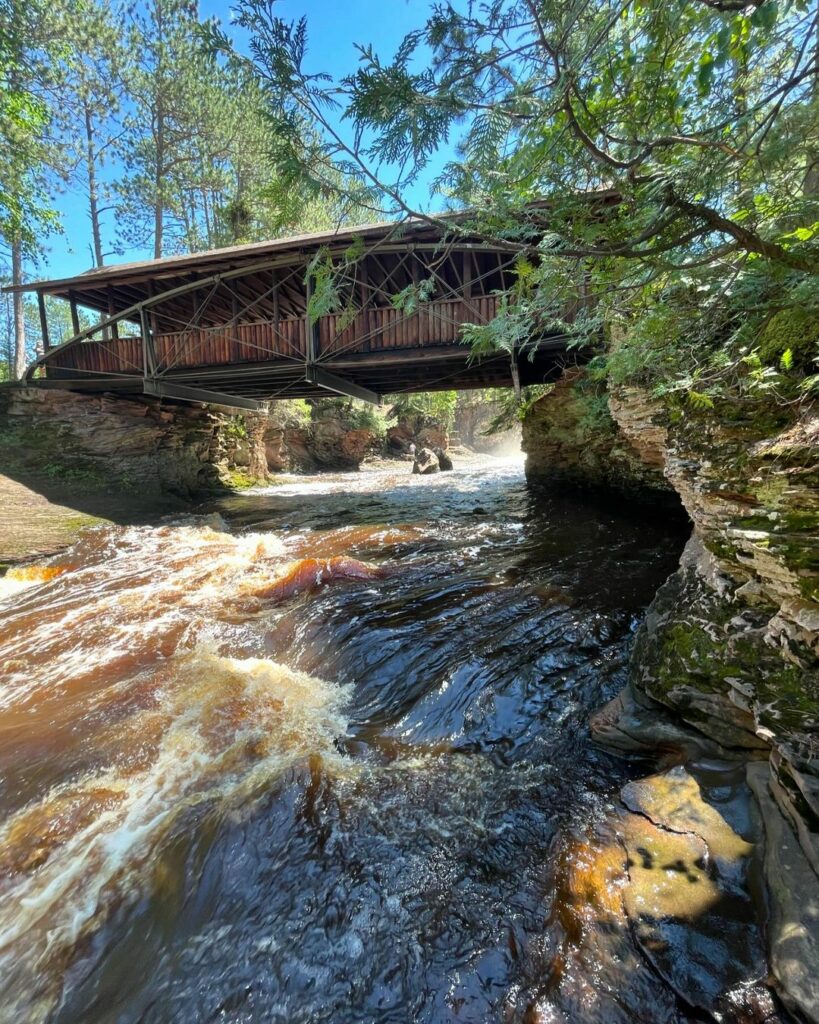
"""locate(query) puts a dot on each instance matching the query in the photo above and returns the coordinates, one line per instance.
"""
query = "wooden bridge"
(364, 311)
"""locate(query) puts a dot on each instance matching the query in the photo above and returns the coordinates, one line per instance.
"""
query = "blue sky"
(334, 27)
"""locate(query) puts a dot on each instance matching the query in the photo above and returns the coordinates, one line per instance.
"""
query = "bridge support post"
(43, 321)
(311, 331)
(148, 351)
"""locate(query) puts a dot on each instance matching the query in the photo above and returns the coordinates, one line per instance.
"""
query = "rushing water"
(318, 754)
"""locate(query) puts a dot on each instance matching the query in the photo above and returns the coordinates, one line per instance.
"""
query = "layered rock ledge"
(726, 663)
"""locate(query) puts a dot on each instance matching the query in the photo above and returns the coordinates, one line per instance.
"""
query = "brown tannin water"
(320, 754)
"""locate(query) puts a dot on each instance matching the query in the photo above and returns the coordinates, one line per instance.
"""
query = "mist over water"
(319, 753)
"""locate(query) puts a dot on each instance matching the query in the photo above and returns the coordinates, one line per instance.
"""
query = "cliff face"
(726, 663)
(139, 445)
(570, 437)
(331, 438)
(418, 429)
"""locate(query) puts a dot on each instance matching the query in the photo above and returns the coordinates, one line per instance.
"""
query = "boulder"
(793, 896)
(426, 462)
(444, 461)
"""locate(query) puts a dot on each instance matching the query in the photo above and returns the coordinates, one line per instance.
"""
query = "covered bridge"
(247, 324)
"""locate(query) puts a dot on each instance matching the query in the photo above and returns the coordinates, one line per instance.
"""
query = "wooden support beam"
(75, 316)
(111, 310)
(342, 386)
(467, 274)
(311, 331)
(43, 321)
(160, 389)
(148, 350)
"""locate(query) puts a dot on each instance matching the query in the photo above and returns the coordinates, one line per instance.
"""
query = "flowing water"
(320, 754)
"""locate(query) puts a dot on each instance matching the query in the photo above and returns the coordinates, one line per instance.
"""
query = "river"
(320, 753)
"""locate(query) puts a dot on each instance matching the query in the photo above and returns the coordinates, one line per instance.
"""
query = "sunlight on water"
(122, 645)
(338, 721)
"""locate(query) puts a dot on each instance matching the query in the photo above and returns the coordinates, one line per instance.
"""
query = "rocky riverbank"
(725, 665)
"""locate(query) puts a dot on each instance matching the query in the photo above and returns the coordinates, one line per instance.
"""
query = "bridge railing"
(373, 329)
(370, 330)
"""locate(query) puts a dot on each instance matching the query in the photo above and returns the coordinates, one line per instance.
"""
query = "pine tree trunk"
(810, 183)
(93, 202)
(19, 311)
(159, 136)
(158, 176)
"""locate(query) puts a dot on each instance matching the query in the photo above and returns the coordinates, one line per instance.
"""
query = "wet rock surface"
(667, 886)
(688, 896)
(725, 664)
(570, 437)
(793, 926)
(426, 462)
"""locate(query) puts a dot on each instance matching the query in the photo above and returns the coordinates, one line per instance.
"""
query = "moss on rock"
(795, 331)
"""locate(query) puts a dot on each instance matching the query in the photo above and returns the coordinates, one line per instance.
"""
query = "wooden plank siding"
(371, 330)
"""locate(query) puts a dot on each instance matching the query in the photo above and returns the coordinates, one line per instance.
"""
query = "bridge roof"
(115, 287)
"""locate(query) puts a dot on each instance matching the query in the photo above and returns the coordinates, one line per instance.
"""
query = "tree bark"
(93, 200)
(159, 138)
(19, 311)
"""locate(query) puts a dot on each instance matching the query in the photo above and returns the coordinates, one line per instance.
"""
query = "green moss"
(809, 588)
(720, 547)
(238, 480)
(802, 521)
(771, 492)
(791, 330)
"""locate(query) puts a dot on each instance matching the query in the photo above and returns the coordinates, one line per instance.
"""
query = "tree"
(646, 151)
(554, 102)
(28, 46)
(163, 81)
(92, 89)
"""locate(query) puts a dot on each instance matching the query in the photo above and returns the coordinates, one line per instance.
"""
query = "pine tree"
(92, 86)
(29, 43)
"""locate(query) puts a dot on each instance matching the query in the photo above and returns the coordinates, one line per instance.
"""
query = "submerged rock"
(688, 895)
(663, 885)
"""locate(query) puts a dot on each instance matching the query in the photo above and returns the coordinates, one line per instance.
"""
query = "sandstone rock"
(444, 461)
(417, 429)
(426, 462)
(569, 437)
(634, 723)
(687, 894)
(142, 444)
(793, 888)
(327, 440)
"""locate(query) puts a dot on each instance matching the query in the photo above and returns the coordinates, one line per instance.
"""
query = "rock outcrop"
(728, 650)
(139, 445)
(570, 437)
(418, 429)
(726, 663)
(329, 436)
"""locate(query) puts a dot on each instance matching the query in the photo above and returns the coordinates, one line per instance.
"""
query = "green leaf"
(699, 400)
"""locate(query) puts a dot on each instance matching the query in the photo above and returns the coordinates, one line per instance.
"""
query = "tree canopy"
(665, 149)
(664, 153)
